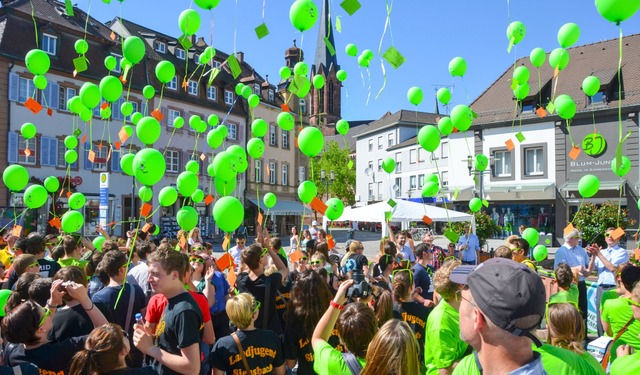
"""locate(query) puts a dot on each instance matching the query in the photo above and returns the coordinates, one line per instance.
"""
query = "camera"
(360, 287)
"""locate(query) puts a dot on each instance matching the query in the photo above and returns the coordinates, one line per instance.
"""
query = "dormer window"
(598, 98)
(196, 58)
(256, 89)
(271, 95)
(49, 44)
(180, 53)
(159, 46)
(216, 64)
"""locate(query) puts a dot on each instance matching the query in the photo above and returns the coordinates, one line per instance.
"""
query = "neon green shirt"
(617, 312)
(329, 361)
(609, 294)
(564, 296)
(443, 345)
(629, 364)
(72, 262)
(593, 362)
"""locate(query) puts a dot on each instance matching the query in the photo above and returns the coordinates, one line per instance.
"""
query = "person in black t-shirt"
(405, 308)
(355, 252)
(262, 348)
(70, 320)
(175, 345)
(104, 353)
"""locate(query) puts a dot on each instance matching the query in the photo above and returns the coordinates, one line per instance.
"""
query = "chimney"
(240, 56)
(201, 42)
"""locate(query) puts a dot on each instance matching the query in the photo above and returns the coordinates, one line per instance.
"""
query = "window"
(371, 196)
(371, 145)
(379, 165)
(26, 89)
(380, 143)
(216, 64)
(193, 88)
(117, 112)
(412, 182)
(62, 150)
(390, 141)
(196, 58)
(370, 165)
(421, 156)
(256, 89)
(273, 173)
(49, 44)
(273, 136)
(271, 95)
(413, 156)
(303, 106)
(159, 46)
(398, 162)
(398, 187)
(180, 53)
(65, 93)
(32, 145)
(444, 150)
(301, 174)
(534, 161)
(173, 161)
(444, 179)
(233, 131)
(172, 114)
(173, 84)
(285, 139)
(118, 67)
(100, 162)
(258, 170)
(228, 97)
(212, 93)
(598, 98)
(420, 181)
(379, 190)
(285, 175)
(527, 107)
(502, 163)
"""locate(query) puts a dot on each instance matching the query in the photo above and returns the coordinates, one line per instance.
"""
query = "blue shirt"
(222, 289)
(575, 256)
(469, 254)
(617, 256)
(407, 253)
(422, 279)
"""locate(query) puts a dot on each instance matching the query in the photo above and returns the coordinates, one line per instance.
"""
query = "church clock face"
(594, 144)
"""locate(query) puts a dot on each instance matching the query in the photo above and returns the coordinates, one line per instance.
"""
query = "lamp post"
(480, 173)
(327, 181)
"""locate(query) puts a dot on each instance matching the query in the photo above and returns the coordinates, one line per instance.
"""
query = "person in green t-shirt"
(443, 347)
(356, 324)
(72, 251)
(567, 288)
(626, 363)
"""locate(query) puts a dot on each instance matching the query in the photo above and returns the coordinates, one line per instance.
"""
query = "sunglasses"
(314, 262)
(459, 297)
(515, 249)
(194, 259)
(304, 258)
(634, 303)
(47, 312)
(198, 248)
(404, 270)
(240, 242)
(608, 234)
(256, 308)
(34, 265)
(265, 251)
(125, 334)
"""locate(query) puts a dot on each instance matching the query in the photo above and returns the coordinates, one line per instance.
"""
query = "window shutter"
(165, 116)
(53, 152)
(88, 165)
(13, 87)
(44, 151)
(12, 150)
(54, 93)
(115, 161)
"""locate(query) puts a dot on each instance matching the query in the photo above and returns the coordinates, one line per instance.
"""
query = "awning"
(427, 200)
(283, 207)
(604, 185)
(517, 188)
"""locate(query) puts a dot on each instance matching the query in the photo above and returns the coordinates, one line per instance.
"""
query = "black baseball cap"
(505, 291)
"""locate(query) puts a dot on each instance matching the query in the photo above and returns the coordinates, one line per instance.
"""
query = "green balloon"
(85, 114)
(521, 91)
(90, 95)
(228, 213)
(255, 148)
(167, 196)
(475, 204)
(148, 130)
(105, 113)
(415, 95)
(70, 156)
(540, 253)
(246, 92)
(52, 184)
(77, 201)
(194, 121)
(301, 68)
(208, 53)
(521, 74)
(133, 49)
(72, 221)
(224, 188)
(187, 183)
(591, 85)
(126, 108)
(351, 50)
(149, 166)
(318, 81)
(98, 241)
(624, 168)
(126, 163)
(532, 236)
(224, 166)
(565, 106)
(135, 117)
(285, 72)
(568, 35)
(125, 64)
(197, 196)
(363, 62)
(110, 62)
(148, 91)
(213, 139)
(187, 218)
(389, 165)
(304, 88)
(207, 4)
(213, 120)
(222, 130)
(192, 166)
(28, 130)
(35, 196)
(40, 82)
(239, 87)
(210, 170)
(269, 200)
(444, 95)
(341, 75)
(457, 67)
(286, 121)
(559, 58)
(189, 21)
(253, 100)
(342, 126)
(310, 141)
(75, 105)
(128, 129)
(145, 193)
(81, 46)
(445, 125)
(259, 127)
(516, 32)
(335, 208)
(617, 11)
(429, 138)
(303, 14)
(110, 88)
(37, 61)
(481, 162)
(367, 54)
(178, 122)
(165, 71)
(588, 185)
(432, 177)
(307, 190)
(15, 177)
(461, 117)
(430, 189)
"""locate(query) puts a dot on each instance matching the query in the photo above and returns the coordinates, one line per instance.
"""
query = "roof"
(496, 103)
(323, 55)
(402, 117)
(409, 142)
(355, 128)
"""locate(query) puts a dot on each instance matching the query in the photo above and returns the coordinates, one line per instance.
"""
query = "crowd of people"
(163, 306)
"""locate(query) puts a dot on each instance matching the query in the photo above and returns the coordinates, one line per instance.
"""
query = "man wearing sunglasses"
(469, 246)
(606, 261)
(236, 251)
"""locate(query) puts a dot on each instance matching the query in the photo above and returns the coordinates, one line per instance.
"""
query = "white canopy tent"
(404, 212)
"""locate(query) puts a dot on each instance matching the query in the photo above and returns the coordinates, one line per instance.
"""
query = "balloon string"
(369, 88)
(161, 94)
(235, 27)
(620, 89)
(264, 3)
(539, 88)
(577, 212)
(435, 161)
(387, 24)
(35, 25)
(569, 132)
(86, 23)
(133, 243)
(619, 200)
(508, 12)
(195, 147)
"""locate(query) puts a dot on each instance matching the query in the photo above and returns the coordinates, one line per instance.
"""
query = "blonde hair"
(566, 327)
(393, 350)
(442, 284)
(354, 246)
(22, 262)
(240, 309)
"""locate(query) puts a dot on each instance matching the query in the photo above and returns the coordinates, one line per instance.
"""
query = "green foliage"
(335, 158)
(592, 220)
(485, 227)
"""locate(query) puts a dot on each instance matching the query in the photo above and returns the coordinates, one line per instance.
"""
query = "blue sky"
(428, 33)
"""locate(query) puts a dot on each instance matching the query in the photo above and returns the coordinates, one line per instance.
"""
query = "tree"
(485, 227)
(335, 158)
(593, 220)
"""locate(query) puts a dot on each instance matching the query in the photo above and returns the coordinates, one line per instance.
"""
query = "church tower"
(325, 104)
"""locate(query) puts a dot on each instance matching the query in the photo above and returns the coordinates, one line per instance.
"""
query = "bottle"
(139, 319)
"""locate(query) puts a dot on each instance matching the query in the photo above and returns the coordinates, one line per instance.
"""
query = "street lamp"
(327, 181)
(480, 173)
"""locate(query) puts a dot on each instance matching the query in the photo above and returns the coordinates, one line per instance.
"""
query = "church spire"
(323, 55)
